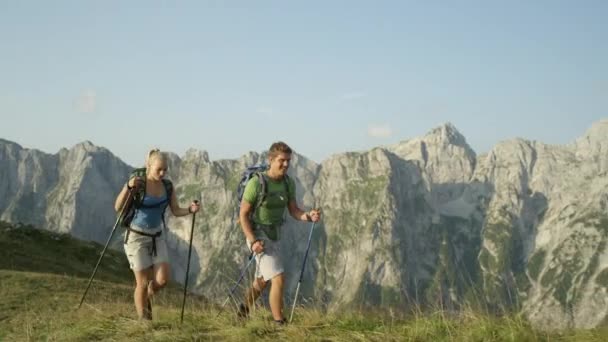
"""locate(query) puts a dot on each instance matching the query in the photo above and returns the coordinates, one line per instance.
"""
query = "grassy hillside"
(25, 248)
(38, 302)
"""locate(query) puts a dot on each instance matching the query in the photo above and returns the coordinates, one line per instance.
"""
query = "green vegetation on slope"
(25, 248)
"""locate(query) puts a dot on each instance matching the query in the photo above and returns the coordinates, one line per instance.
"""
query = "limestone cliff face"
(71, 191)
(426, 221)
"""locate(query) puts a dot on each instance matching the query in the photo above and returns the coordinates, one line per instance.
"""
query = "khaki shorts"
(139, 250)
(268, 264)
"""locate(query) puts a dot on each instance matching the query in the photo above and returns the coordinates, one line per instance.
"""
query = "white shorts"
(139, 250)
(268, 263)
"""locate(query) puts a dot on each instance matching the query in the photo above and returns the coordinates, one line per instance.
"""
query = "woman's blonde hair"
(155, 154)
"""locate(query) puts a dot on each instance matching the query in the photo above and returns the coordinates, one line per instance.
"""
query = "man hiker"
(261, 223)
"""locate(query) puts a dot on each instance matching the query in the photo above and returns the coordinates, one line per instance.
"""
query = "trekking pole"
(295, 299)
(188, 267)
(251, 258)
(118, 219)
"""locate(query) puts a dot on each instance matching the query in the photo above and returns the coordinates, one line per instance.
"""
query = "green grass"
(38, 306)
(29, 249)
(40, 303)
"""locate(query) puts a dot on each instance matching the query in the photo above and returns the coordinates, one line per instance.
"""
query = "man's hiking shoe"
(243, 311)
(280, 321)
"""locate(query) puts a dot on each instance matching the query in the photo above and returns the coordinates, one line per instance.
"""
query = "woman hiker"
(145, 245)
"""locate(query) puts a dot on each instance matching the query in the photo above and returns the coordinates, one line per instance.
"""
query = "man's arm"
(247, 206)
(245, 220)
(296, 212)
(313, 215)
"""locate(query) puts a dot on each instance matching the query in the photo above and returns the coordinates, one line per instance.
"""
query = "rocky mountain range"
(426, 222)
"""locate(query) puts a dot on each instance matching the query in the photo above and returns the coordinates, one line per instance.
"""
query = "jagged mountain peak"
(594, 143)
(252, 157)
(441, 136)
(600, 126)
(195, 154)
(442, 151)
(86, 144)
(88, 147)
(598, 132)
(11, 143)
(446, 134)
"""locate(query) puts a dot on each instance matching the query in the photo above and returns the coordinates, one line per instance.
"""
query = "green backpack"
(139, 194)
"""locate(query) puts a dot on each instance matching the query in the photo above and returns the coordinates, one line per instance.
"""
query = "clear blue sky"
(325, 76)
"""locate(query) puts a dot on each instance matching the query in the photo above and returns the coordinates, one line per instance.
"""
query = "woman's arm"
(177, 211)
(125, 193)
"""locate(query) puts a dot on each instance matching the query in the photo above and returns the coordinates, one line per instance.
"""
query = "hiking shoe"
(148, 311)
(282, 321)
(243, 311)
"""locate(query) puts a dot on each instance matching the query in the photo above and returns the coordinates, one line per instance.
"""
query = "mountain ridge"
(425, 221)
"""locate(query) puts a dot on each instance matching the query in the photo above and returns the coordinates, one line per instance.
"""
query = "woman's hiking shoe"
(150, 288)
(243, 311)
(148, 311)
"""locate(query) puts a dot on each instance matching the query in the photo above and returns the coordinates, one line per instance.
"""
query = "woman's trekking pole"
(231, 293)
(188, 267)
(295, 299)
(118, 219)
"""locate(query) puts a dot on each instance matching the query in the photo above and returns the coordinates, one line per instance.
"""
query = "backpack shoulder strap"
(286, 181)
(262, 188)
(139, 172)
(168, 188)
(168, 191)
(141, 193)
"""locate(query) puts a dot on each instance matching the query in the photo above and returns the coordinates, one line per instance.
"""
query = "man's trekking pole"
(231, 293)
(295, 299)
(118, 219)
(188, 267)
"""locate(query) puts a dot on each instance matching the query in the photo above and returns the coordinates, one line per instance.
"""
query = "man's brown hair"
(278, 147)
